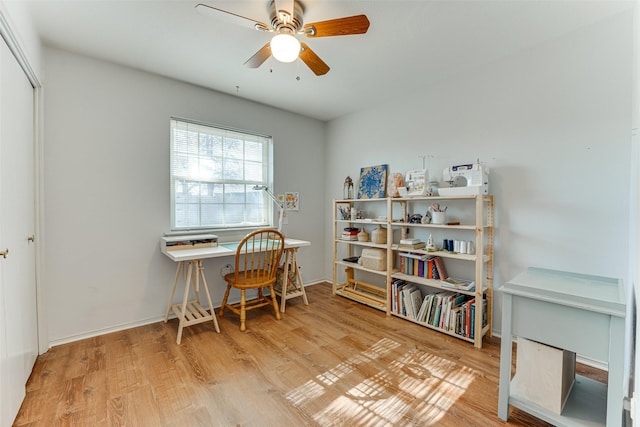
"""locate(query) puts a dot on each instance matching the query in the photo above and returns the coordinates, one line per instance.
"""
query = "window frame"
(265, 206)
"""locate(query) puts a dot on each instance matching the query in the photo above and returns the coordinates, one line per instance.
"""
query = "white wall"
(23, 34)
(634, 321)
(551, 122)
(107, 188)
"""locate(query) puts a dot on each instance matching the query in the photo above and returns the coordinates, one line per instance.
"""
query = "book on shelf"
(447, 300)
(424, 306)
(470, 331)
(415, 255)
(396, 287)
(442, 272)
(459, 284)
(468, 328)
(454, 320)
(350, 233)
(409, 241)
(434, 270)
(416, 301)
(419, 245)
(436, 315)
(472, 315)
(405, 300)
(350, 238)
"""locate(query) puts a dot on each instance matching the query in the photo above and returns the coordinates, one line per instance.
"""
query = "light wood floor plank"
(331, 363)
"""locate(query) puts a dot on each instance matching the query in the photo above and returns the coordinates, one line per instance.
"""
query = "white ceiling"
(409, 44)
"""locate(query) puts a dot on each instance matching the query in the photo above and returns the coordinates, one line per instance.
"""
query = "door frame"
(10, 37)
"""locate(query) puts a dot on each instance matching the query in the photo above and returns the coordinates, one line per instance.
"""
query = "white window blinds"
(213, 172)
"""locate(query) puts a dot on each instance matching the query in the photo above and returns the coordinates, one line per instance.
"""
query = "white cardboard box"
(544, 374)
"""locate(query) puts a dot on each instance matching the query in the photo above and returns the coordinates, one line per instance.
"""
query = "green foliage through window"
(213, 174)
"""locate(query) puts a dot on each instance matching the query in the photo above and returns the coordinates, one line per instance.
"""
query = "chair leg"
(224, 301)
(243, 311)
(275, 302)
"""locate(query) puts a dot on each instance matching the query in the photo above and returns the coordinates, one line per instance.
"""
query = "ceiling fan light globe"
(285, 47)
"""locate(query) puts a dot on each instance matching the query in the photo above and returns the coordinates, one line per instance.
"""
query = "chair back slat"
(258, 256)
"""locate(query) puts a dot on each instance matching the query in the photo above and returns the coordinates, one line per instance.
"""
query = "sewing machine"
(465, 180)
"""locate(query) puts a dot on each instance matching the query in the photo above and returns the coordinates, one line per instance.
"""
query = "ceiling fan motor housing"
(283, 22)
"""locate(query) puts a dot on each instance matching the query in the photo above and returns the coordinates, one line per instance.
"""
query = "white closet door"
(18, 315)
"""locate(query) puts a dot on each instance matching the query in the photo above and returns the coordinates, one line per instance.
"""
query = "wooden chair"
(257, 259)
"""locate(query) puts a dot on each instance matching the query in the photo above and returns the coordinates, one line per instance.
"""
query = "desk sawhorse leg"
(291, 289)
(191, 312)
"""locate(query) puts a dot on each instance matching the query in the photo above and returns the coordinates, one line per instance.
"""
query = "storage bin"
(544, 374)
(375, 259)
(379, 236)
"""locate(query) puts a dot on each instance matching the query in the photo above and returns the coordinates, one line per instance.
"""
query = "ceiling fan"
(286, 21)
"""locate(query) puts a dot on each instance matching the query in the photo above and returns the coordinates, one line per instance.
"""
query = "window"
(213, 175)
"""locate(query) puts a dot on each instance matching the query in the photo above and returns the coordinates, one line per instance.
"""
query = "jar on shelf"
(379, 235)
(363, 236)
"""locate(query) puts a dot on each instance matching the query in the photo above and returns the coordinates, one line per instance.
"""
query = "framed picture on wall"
(373, 182)
(292, 200)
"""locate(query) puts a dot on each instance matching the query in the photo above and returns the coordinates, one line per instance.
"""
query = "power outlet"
(226, 270)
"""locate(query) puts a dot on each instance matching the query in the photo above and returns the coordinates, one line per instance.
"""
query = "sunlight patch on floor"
(313, 388)
(415, 388)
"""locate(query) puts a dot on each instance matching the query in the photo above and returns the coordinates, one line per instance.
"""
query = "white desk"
(192, 312)
(576, 312)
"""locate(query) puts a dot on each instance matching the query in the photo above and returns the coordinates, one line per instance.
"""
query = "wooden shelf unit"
(478, 212)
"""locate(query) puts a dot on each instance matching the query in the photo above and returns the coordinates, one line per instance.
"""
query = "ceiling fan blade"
(231, 17)
(358, 24)
(285, 6)
(313, 61)
(259, 57)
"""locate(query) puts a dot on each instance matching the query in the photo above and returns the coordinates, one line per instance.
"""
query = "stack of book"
(465, 319)
(422, 265)
(350, 233)
(411, 244)
(445, 310)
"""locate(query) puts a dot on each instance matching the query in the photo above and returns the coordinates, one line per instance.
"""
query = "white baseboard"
(130, 325)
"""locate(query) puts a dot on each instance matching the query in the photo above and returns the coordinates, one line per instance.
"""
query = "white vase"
(438, 217)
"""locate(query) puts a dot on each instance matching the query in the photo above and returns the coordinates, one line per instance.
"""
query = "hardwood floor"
(331, 363)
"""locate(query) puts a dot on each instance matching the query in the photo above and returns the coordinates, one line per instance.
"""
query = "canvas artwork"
(373, 182)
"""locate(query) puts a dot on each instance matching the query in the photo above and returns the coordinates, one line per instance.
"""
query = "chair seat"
(248, 282)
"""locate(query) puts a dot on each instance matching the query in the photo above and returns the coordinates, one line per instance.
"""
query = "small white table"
(575, 312)
(190, 262)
